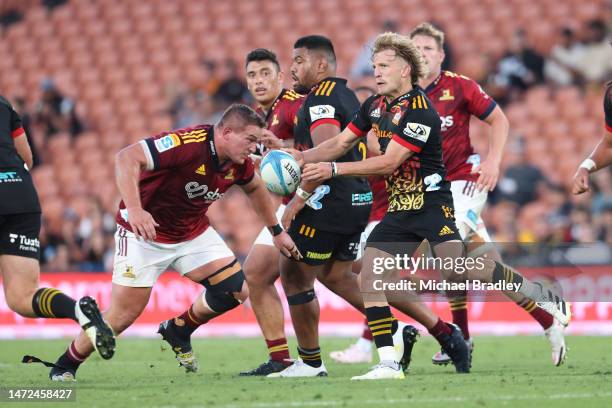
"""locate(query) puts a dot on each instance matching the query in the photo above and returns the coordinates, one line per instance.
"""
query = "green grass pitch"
(507, 371)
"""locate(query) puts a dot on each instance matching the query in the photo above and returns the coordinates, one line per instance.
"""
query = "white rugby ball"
(280, 172)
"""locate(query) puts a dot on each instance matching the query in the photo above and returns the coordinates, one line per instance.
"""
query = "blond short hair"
(405, 49)
(427, 29)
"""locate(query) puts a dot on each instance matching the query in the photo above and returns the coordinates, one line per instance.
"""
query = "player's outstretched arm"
(489, 168)
(382, 165)
(129, 162)
(264, 207)
(600, 158)
(330, 149)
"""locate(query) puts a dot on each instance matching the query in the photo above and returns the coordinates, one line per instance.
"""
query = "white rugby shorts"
(469, 203)
(138, 263)
(364, 237)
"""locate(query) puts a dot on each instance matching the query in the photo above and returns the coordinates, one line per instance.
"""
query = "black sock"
(52, 303)
(382, 324)
(312, 357)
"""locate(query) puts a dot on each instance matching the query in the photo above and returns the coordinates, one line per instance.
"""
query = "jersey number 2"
(314, 200)
(432, 181)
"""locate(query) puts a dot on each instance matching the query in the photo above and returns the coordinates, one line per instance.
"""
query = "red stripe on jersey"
(17, 132)
(608, 127)
(324, 121)
(406, 144)
(356, 130)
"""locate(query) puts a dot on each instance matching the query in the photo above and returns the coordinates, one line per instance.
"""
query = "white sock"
(387, 353)
(531, 290)
(364, 345)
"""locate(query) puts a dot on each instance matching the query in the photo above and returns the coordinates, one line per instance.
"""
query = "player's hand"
(143, 224)
(317, 172)
(270, 141)
(297, 155)
(293, 208)
(580, 183)
(286, 245)
(489, 175)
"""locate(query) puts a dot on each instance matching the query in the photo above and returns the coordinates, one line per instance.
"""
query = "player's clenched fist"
(581, 181)
(286, 245)
(143, 224)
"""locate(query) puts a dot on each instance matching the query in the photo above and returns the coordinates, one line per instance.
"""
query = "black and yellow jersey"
(16, 186)
(342, 204)
(412, 121)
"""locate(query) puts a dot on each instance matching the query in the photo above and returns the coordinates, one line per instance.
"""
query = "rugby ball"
(280, 172)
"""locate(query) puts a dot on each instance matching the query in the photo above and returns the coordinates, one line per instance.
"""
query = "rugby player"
(20, 219)
(601, 156)
(167, 182)
(279, 107)
(420, 201)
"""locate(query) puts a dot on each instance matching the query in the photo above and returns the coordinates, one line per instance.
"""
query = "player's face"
(432, 54)
(303, 70)
(264, 81)
(390, 72)
(242, 142)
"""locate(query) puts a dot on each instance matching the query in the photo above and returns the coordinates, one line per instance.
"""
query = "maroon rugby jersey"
(456, 98)
(184, 177)
(281, 116)
(380, 202)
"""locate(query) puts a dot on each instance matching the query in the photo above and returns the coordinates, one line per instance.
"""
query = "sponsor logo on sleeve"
(321, 112)
(167, 142)
(417, 131)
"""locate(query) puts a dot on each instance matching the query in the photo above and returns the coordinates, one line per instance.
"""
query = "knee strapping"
(220, 302)
(302, 298)
(221, 286)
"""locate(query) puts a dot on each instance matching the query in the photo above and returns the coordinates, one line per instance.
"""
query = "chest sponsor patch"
(417, 131)
(321, 112)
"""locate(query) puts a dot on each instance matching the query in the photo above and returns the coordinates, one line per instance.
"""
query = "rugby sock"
(312, 357)
(539, 314)
(52, 303)
(458, 306)
(71, 359)
(187, 322)
(381, 322)
(505, 273)
(440, 331)
(278, 350)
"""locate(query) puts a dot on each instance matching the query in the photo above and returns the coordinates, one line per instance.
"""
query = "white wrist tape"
(589, 165)
(303, 194)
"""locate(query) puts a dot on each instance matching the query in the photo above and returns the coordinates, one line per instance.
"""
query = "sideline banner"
(172, 295)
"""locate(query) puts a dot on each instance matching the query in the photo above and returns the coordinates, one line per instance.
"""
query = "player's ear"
(281, 77)
(406, 70)
(322, 63)
(226, 131)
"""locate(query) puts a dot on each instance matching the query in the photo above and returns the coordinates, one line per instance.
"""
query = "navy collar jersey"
(411, 121)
